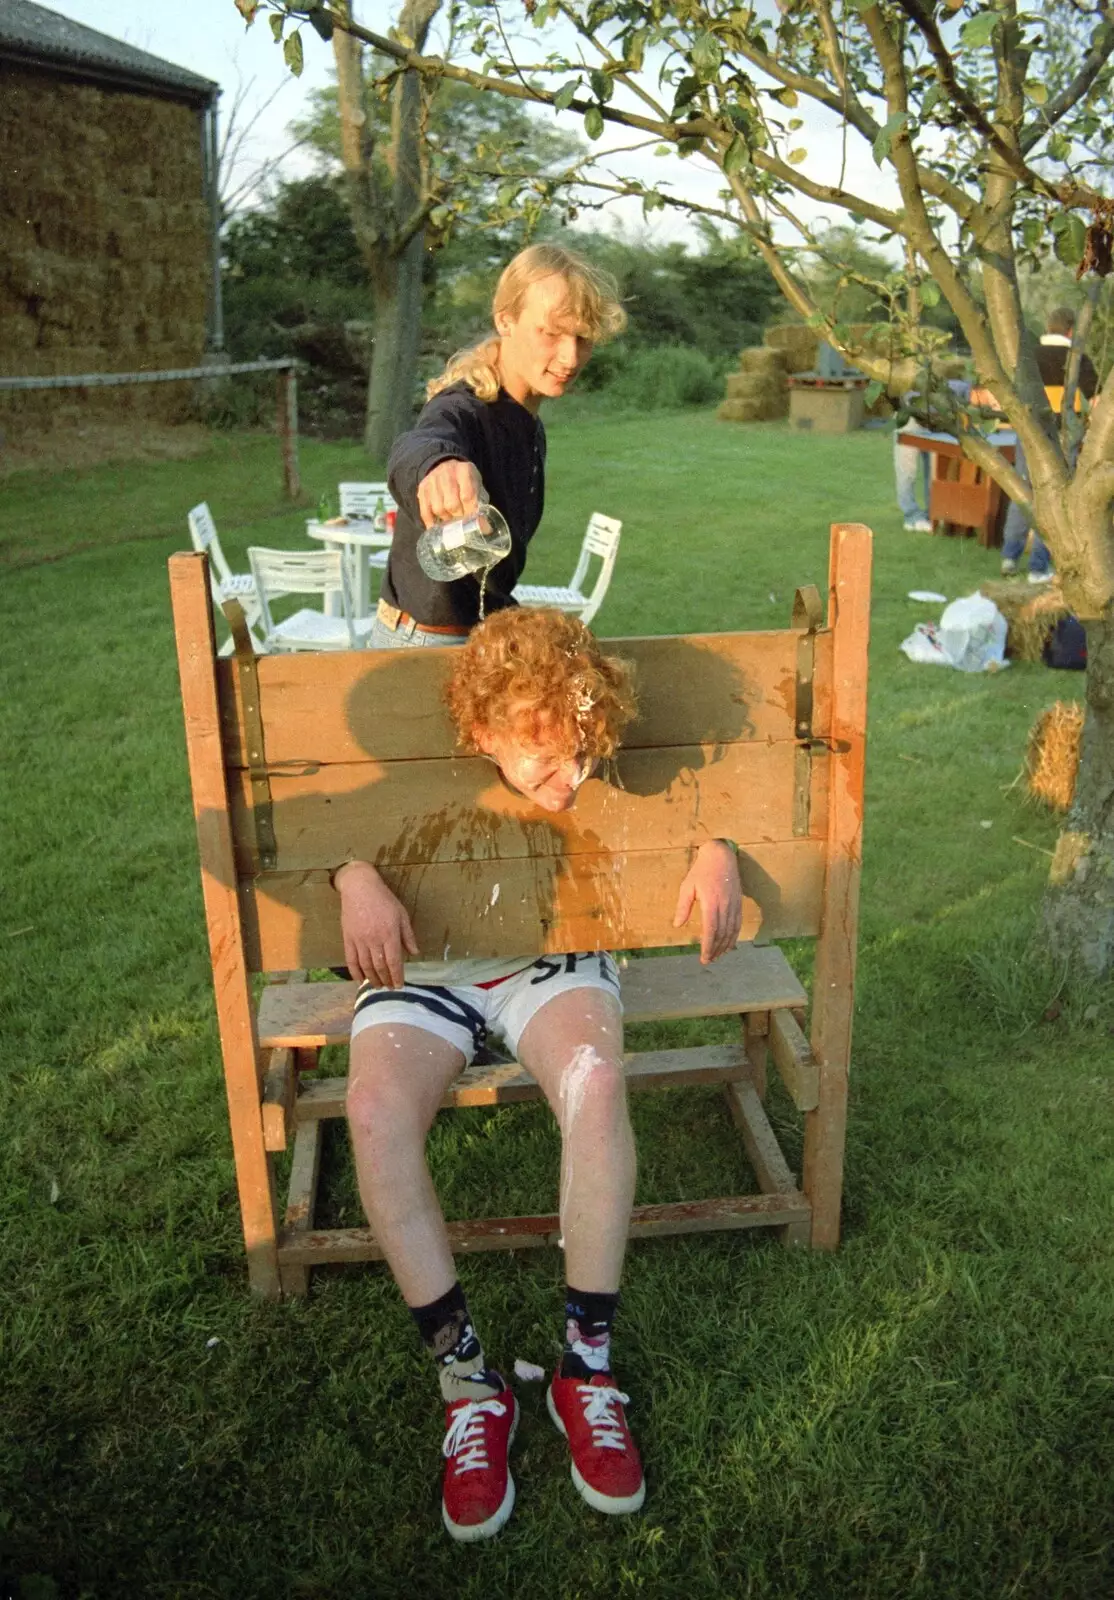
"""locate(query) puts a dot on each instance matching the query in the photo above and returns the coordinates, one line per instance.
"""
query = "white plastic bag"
(971, 636)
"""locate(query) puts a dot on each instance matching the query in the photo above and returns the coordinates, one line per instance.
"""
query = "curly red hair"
(540, 674)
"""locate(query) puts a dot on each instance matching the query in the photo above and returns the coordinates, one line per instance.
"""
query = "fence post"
(288, 430)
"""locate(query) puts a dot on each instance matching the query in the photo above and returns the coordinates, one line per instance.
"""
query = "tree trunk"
(1078, 911)
(394, 362)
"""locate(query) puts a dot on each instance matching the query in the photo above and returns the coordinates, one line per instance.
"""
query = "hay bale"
(798, 343)
(759, 408)
(1031, 614)
(749, 385)
(1052, 755)
(761, 359)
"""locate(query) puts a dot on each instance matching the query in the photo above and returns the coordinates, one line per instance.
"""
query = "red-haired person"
(532, 691)
(480, 434)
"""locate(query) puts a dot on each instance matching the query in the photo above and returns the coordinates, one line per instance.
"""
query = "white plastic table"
(366, 546)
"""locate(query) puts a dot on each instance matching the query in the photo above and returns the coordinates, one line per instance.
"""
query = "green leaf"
(978, 30)
(1059, 146)
(635, 50)
(883, 142)
(929, 99)
(930, 293)
(816, 320)
(1071, 239)
(602, 86)
(1036, 90)
(788, 97)
(277, 24)
(506, 193)
(565, 95)
(873, 392)
(247, 9)
(1032, 232)
(863, 5)
(737, 155)
(652, 202)
(292, 53)
(798, 155)
(593, 122)
(707, 54)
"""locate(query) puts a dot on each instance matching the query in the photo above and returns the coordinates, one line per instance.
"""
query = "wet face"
(542, 349)
(537, 768)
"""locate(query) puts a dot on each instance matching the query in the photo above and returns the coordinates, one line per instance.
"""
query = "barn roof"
(40, 38)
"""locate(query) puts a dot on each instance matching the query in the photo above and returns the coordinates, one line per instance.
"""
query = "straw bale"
(799, 344)
(761, 358)
(1030, 613)
(757, 408)
(752, 385)
(1052, 755)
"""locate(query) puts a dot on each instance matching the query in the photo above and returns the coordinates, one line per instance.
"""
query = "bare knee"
(382, 1117)
(593, 1092)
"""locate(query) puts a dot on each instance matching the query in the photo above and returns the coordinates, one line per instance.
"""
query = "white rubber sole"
(471, 1532)
(612, 1505)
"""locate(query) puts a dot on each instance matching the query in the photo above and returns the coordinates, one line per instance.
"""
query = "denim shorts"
(406, 638)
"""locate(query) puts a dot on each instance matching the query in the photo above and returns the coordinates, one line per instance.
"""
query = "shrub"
(667, 378)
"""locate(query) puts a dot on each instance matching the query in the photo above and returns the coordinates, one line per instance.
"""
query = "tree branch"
(1098, 54)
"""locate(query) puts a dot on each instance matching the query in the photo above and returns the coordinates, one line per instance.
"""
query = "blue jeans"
(1018, 523)
(911, 467)
(408, 637)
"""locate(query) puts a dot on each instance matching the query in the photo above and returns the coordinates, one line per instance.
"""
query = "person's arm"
(433, 467)
(374, 925)
(713, 883)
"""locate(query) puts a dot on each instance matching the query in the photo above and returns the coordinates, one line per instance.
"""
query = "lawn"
(925, 1413)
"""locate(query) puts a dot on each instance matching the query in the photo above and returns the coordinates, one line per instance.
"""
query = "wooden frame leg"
(756, 1032)
(301, 1199)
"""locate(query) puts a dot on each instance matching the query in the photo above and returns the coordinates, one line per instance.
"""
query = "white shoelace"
(598, 1403)
(466, 1438)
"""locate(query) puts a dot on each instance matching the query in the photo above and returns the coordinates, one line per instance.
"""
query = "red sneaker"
(605, 1463)
(478, 1493)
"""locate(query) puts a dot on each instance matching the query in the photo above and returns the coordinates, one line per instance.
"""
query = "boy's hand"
(713, 880)
(374, 924)
(452, 489)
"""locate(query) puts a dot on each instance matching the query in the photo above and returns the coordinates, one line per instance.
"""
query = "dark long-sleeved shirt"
(1052, 360)
(506, 444)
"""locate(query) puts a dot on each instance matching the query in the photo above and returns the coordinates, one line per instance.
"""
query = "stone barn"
(108, 220)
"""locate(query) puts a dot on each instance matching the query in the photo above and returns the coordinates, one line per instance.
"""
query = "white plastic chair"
(285, 572)
(225, 584)
(370, 502)
(601, 539)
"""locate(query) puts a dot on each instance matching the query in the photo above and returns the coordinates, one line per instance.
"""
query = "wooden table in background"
(961, 498)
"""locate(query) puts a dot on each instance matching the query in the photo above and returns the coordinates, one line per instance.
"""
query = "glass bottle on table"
(468, 546)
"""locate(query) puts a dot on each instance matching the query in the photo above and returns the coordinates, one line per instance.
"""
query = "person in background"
(479, 435)
(1052, 359)
(532, 691)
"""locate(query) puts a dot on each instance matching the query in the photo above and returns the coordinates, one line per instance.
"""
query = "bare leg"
(396, 1080)
(573, 1047)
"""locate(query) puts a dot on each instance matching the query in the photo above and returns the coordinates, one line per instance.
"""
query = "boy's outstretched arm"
(713, 882)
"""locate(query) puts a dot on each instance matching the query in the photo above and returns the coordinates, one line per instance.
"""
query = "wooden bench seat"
(298, 762)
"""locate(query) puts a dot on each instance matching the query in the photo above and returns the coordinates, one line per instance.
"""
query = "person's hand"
(713, 881)
(452, 489)
(374, 924)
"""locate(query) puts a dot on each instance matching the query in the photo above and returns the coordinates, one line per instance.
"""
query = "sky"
(209, 37)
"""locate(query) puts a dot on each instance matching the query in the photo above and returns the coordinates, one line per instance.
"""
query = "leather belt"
(393, 618)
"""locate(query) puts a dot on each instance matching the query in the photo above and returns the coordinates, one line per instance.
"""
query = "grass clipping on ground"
(1052, 757)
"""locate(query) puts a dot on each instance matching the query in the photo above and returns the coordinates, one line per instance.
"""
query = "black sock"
(446, 1328)
(588, 1320)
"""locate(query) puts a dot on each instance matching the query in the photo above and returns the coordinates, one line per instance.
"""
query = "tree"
(987, 121)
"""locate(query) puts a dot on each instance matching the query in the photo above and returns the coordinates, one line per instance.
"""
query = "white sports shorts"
(465, 1015)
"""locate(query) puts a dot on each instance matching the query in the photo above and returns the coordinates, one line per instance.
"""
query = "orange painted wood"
(422, 812)
(280, 1087)
(340, 706)
(193, 627)
(316, 1248)
(545, 905)
(750, 977)
(833, 995)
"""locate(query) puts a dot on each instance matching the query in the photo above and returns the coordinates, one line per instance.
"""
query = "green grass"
(926, 1413)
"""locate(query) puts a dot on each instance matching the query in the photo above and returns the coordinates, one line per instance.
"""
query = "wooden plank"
(535, 907)
(193, 629)
(764, 1154)
(337, 1245)
(795, 1061)
(347, 706)
(422, 812)
(834, 983)
(750, 977)
(301, 1198)
(508, 1083)
(280, 1086)
(756, 1033)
